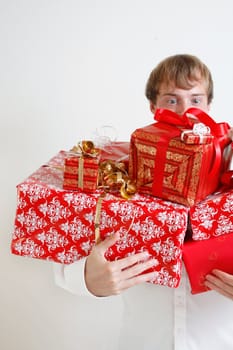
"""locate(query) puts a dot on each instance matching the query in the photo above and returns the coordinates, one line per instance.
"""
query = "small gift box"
(81, 173)
(166, 167)
(201, 257)
(200, 134)
(82, 164)
(62, 226)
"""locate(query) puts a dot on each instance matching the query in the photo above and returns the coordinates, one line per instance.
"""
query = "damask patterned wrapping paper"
(58, 225)
(213, 216)
(166, 167)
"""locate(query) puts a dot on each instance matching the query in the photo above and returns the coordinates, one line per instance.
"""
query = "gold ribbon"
(115, 177)
(84, 149)
(112, 175)
(80, 172)
(97, 218)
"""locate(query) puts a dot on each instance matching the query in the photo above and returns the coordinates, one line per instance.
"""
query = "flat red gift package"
(62, 225)
(81, 166)
(201, 257)
(165, 166)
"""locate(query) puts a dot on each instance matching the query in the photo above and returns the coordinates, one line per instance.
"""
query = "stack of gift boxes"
(147, 190)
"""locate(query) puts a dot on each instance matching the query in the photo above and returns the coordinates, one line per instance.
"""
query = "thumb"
(107, 243)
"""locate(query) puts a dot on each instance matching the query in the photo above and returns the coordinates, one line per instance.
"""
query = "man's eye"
(172, 101)
(196, 101)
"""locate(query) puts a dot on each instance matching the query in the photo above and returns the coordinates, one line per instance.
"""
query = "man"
(158, 317)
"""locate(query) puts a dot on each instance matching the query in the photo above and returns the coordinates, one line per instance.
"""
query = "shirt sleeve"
(71, 278)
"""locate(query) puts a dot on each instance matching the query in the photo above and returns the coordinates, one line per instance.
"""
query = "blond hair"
(182, 70)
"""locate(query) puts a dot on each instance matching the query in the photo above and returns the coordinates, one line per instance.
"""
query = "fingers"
(225, 277)
(103, 246)
(230, 133)
(221, 282)
(132, 276)
(105, 277)
(123, 263)
(136, 274)
(139, 268)
(130, 266)
(133, 259)
(139, 279)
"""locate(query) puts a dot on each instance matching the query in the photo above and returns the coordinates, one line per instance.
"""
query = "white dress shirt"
(161, 318)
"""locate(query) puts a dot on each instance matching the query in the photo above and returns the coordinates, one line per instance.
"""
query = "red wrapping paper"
(117, 151)
(59, 225)
(201, 257)
(83, 172)
(88, 180)
(166, 167)
(192, 139)
(212, 217)
(212, 238)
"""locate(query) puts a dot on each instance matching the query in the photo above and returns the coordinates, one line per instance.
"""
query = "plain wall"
(69, 67)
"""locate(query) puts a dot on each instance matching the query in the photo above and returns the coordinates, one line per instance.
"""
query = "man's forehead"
(197, 88)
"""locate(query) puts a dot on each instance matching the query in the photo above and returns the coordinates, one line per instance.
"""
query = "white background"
(68, 67)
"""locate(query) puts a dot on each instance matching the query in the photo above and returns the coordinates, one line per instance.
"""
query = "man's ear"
(152, 107)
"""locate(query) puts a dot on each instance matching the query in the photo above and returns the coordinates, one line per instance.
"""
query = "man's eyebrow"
(173, 94)
(169, 94)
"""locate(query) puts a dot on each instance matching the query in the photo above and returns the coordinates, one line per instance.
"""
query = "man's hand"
(221, 282)
(230, 134)
(104, 278)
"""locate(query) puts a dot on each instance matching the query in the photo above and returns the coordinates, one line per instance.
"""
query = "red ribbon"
(227, 179)
(169, 117)
(171, 123)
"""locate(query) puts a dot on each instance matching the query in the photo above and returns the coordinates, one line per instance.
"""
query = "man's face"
(179, 100)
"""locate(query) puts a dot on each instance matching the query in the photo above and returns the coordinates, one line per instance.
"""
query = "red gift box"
(200, 134)
(213, 216)
(166, 167)
(201, 257)
(82, 171)
(60, 225)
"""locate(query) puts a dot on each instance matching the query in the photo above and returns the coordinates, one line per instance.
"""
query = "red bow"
(170, 117)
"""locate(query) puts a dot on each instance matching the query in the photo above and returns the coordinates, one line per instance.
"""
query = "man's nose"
(182, 106)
